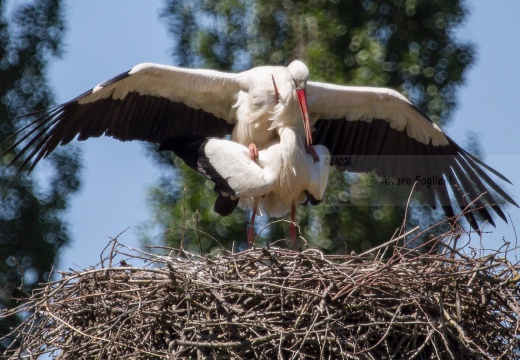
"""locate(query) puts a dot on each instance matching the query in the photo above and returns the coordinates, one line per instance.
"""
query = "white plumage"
(274, 184)
(155, 102)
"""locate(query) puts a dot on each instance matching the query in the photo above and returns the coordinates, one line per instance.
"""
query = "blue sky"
(106, 38)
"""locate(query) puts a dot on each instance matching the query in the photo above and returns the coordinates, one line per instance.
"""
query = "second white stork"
(154, 102)
(274, 184)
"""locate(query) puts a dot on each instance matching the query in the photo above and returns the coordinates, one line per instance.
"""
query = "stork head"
(299, 74)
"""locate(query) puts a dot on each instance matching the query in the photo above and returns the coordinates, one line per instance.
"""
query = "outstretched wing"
(380, 130)
(150, 102)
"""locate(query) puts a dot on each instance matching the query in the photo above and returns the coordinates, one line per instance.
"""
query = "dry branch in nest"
(272, 303)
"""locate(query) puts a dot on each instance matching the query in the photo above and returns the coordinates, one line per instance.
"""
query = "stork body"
(155, 102)
(282, 176)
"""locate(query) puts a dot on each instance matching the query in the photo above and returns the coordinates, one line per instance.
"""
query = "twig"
(265, 303)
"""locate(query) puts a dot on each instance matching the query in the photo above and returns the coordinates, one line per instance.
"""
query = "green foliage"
(408, 45)
(31, 229)
(193, 198)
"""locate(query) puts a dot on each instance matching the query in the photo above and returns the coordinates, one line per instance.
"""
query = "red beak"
(302, 97)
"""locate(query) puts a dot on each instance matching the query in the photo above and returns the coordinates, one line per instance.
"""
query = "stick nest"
(273, 303)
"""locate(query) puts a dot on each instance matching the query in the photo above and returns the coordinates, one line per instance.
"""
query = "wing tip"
(224, 205)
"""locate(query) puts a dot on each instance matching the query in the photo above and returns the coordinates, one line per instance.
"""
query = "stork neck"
(291, 164)
(290, 139)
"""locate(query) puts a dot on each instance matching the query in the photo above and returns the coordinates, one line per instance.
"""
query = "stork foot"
(253, 151)
(312, 152)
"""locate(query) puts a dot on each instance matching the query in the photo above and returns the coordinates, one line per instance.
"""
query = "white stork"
(155, 102)
(259, 185)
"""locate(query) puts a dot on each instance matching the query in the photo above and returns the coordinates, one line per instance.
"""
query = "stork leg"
(292, 227)
(253, 151)
(251, 226)
(312, 152)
